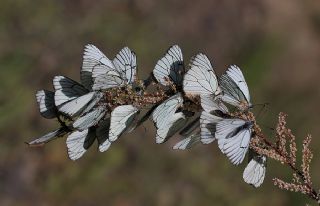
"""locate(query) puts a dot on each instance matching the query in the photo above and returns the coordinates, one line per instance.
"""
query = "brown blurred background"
(276, 43)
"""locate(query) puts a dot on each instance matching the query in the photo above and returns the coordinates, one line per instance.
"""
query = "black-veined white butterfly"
(235, 89)
(78, 142)
(166, 118)
(255, 171)
(201, 79)
(71, 98)
(48, 110)
(214, 111)
(121, 118)
(233, 137)
(170, 68)
(106, 73)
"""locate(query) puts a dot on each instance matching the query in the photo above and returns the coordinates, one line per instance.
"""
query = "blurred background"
(276, 43)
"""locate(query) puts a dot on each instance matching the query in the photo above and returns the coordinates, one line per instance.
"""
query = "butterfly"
(235, 89)
(167, 119)
(106, 73)
(121, 118)
(78, 142)
(233, 137)
(201, 79)
(255, 171)
(170, 68)
(71, 98)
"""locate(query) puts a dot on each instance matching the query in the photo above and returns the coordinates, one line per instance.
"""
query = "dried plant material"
(306, 159)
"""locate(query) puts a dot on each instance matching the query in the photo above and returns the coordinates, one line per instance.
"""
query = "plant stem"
(312, 194)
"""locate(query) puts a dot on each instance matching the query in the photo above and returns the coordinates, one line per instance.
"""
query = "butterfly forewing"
(66, 90)
(45, 100)
(49, 137)
(200, 78)
(188, 142)
(90, 119)
(166, 119)
(121, 119)
(170, 67)
(234, 87)
(93, 58)
(255, 171)
(126, 64)
(79, 142)
(77, 105)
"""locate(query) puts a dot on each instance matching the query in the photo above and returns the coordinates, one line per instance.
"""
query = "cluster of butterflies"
(85, 116)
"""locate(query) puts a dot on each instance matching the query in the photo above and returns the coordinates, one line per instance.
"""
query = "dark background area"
(276, 43)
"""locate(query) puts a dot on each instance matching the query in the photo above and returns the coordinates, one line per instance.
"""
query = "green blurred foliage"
(277, 44)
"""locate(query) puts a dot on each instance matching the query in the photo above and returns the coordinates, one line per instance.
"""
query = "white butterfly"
(106, 73)
(170, 68)
(50, 136)
(78, 142)
(255, 171)
(126, 64)
(233, 137)
(90, 119)
(208, 121)
(45, 101)
(93, 58)
(201, 78)
(121, 118)
(72, 98)
(234, 87)
(166, 118)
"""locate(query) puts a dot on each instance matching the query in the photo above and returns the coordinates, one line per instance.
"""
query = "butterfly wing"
(200, 78)
(126, 64)
(210, 103)
(66, 90)
(49, 137)
(173, 124)
(165, 116)
(77, 105)
(121, 118)
(79, 142)
(255, 171)
(234, 87)
(45, 100)
(233, 138)
(90, 119)
(188, 142)
(208, 124)
(170, 67)
(103, 135)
